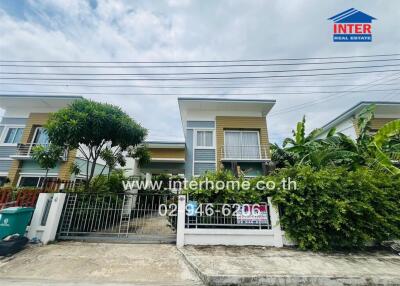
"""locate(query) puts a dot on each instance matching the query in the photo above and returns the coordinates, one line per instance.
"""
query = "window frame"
(35, 134)
(212, 138)
(39, 176)
(244, 131)
(5, 132)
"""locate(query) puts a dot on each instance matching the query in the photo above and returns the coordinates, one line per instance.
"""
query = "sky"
(199, 30)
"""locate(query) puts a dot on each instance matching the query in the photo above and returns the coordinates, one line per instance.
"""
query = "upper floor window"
(13, 135)
(40, 137)
(204, 138)
(242, 144)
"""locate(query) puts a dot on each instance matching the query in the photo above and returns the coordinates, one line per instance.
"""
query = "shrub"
(232, 193)
(333, 208)
(111, 183)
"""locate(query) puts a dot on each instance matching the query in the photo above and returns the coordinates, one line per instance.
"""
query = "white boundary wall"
(46, 229)
(210, 236)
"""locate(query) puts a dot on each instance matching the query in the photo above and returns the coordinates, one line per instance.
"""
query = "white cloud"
(203, 29)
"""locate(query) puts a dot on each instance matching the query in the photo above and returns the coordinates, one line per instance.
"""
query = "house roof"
(165, 144)
(352, 16)
(222, 106)
(384, 107)
(8, 101)
(215, 104)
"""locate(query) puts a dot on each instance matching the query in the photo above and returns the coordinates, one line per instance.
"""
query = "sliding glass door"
(242, 145)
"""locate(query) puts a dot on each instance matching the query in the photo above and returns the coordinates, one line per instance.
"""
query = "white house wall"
(346, 127)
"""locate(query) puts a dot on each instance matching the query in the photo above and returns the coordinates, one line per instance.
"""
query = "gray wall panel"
(5, 165)
(200, 124)
(30, 166)
(189, 154)
(10, 120)
(201, 168)
(204, 154)
(6, 151)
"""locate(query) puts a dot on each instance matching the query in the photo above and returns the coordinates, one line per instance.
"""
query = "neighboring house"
(167, 157)
(347, 122)
(21, 128)
(219, 133)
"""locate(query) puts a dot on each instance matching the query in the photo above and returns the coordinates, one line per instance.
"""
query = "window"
(41, 137)
(242, 145)
(31, 182)
(204, 139)
(3, 180)
(13, 135)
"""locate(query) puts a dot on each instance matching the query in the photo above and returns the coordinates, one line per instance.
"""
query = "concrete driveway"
(74, 263)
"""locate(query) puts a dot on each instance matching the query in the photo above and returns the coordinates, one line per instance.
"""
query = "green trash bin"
(14, 220)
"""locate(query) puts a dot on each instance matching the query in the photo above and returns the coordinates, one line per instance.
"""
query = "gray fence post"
(180, 225)
(275, 226)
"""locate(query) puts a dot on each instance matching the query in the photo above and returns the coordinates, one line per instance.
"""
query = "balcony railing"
(24, 151)
(247, 153)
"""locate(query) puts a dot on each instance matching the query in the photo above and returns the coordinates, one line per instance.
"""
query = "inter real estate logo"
(352, 26)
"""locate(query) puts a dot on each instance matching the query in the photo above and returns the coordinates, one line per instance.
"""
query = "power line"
(196, 66)
(202, 78)
(330, 97)
(193, 94)
(190, 87)
(210, 83)
(199, 61)
(197, 73)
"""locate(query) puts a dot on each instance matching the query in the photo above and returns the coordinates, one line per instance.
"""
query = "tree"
(379, 151)
(301, 144)
(91, 127)
(47, 157)
(112, 159)
(141, 153)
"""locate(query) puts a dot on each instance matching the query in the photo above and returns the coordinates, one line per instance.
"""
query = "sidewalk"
(106, 264)
(75, 263)
(219, 265)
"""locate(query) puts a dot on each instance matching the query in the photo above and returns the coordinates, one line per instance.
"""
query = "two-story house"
(219, 133)
(21, 128)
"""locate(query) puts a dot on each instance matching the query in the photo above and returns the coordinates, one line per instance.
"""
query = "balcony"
(24, 152)
(244, 153)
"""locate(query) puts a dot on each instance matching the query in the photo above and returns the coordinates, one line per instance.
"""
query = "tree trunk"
(87, 175)
(92, 169)
(45, 180)
(109, 172)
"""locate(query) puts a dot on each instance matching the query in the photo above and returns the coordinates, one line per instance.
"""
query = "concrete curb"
(200, 274)
(299, 280)
(284, 280)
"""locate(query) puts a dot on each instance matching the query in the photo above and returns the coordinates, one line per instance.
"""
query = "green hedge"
(336, 209)
(332, 208)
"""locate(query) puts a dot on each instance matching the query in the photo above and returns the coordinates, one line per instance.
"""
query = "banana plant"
(301, 144)
(385, 147)
(380, 151)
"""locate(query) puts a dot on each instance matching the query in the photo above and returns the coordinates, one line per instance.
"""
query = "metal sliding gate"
(142, 217)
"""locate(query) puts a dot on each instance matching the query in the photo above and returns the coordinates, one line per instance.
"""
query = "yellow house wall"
(240, 123)
(37, 120)
(166, 153)
(376, 123)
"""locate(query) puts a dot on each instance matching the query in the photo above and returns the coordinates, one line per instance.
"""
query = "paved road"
(75, 263)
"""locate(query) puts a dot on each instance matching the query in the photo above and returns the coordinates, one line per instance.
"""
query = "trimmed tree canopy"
(93, 123)
(97, 126)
